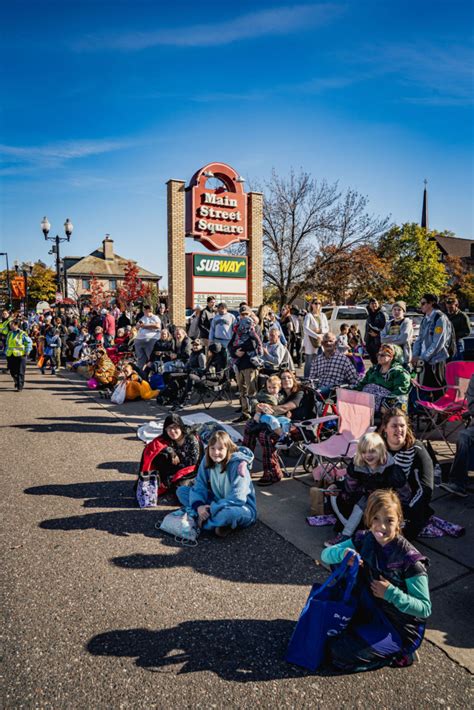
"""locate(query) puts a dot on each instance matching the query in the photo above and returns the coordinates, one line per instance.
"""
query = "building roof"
(454, 246)
(95, 263)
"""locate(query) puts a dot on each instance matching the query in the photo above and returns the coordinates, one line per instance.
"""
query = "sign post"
(215, 216)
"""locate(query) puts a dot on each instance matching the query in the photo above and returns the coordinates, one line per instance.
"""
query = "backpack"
(451, 344)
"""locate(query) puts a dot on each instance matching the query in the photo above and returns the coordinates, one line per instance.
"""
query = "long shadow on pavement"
(243, 650)
(74, 427)
(238, 558)
(98, 494)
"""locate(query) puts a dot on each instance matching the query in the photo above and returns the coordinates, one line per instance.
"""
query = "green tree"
(42, 284)
(414, 259)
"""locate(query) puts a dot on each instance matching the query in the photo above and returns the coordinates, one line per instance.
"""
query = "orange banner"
(18, 287)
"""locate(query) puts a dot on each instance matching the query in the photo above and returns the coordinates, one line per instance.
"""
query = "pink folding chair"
(451, 405)
(356, 416)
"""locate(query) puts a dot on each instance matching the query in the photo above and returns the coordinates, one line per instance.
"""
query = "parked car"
(337, 315)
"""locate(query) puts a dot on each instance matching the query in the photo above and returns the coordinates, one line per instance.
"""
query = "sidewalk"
(284, 507)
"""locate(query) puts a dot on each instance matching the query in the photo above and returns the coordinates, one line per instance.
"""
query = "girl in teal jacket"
(222, 496)
(393, 596)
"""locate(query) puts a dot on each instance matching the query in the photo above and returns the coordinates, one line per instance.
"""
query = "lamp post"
(68, 227)
(26, 270)
(9, 288)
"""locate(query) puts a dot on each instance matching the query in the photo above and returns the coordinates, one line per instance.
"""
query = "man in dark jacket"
(376, 321)
(205, 320)
(461, 324)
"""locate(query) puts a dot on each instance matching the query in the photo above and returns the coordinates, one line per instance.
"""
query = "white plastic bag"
(118, 395)
(182, 526)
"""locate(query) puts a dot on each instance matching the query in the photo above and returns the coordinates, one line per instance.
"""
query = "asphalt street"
(101, 610)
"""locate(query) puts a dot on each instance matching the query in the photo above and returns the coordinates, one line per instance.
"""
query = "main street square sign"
(216, 216)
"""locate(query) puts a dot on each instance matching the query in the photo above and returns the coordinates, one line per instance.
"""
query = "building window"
(86, 284)
(112, 284)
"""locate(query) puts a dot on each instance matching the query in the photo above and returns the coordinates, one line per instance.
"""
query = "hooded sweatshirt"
(231, 488)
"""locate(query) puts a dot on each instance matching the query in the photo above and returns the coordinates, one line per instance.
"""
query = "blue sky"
(103, 102)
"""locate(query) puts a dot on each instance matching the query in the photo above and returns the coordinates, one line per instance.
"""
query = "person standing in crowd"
(314, 326)
(193, 328)
(461, 324)
(149, 327)
(245, 347)
(109, 328)
(222, 326)
(286, 325)
(399, 330)
(431, 346)
(458, 475)
(164, 315)
(205, 320)
(297, 341)
(123, 319)
(374, 325)
(17, 348)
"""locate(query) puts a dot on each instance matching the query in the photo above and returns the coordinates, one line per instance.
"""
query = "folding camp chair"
(355, 418)
(451, 406)
(212, 389)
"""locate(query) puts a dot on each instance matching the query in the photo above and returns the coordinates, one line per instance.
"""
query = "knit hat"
(400, 304)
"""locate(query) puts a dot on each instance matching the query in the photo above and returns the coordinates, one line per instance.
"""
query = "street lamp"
(68, 227)
(26, 270)
(9, 288)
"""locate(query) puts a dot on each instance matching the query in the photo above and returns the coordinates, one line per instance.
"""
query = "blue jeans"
(237, 516)
(276, 422)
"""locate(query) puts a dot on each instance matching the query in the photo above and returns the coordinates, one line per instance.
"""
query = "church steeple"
(424, 212)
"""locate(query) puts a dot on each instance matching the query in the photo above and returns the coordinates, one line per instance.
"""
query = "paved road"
(102, 611)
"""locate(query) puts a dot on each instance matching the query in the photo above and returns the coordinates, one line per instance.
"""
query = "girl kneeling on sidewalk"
(394, 599)
(222, 494)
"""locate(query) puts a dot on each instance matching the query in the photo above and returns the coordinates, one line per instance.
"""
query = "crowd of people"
(384, 499)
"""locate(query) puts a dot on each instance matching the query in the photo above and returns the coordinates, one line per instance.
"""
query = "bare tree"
(306, 224)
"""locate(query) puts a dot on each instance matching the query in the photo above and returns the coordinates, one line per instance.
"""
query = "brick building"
(108, 267)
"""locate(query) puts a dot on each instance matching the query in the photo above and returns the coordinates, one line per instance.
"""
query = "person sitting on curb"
(222, 495)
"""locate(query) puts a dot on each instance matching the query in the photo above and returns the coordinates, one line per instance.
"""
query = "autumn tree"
(133, 288)
(306, 225)
(355, 275)
(99, 297)
(414, 259)
(461, 281)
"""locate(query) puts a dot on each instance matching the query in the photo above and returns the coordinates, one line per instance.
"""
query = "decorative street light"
(26, 270)
(68, 227)
(9, 288)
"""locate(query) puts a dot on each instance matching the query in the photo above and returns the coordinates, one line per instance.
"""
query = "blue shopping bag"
(327, 612)
(156, 381)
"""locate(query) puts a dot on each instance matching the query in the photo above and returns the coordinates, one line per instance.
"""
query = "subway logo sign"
(231, 266)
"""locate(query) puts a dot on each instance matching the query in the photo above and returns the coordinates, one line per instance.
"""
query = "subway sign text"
(227, 266)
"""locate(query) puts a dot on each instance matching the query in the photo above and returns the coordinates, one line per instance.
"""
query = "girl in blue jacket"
(222, 495)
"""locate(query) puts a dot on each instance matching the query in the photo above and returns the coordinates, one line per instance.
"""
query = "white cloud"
(27, 159)
(276, 21)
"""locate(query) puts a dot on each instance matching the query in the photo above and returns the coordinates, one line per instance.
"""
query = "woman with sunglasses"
(388, 380)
